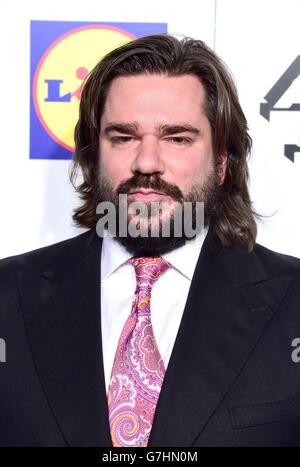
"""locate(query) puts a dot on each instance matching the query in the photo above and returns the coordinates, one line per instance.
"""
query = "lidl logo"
(62, 55)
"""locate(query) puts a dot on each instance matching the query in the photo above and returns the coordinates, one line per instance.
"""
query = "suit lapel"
(230, 302)
(64, 331)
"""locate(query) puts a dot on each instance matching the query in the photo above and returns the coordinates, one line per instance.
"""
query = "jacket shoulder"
(277, 263)
(32, 260)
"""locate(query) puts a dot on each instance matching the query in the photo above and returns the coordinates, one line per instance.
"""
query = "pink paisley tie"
(138, 368)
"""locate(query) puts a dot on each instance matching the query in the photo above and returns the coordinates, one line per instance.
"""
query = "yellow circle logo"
(61, 71)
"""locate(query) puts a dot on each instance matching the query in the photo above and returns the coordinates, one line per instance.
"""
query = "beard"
(208, 193)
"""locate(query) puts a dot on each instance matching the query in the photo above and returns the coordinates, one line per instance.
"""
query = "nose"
(148, 157)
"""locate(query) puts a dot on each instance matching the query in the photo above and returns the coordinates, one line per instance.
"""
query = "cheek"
(115, 169)
(192, 169)
(111, 171)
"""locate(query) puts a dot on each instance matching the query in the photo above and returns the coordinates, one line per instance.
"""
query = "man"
(215, 363)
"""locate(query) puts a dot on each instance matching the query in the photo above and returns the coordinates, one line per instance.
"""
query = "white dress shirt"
(168, 296)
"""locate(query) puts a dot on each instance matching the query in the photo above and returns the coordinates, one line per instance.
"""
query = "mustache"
(151, 182)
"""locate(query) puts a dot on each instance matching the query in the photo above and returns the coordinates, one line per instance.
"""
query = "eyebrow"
(164, 129)
(124, 128)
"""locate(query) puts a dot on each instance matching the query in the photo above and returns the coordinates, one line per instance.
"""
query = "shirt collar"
(184, 258)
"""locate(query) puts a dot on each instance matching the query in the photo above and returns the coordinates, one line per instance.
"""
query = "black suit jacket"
(231, 380)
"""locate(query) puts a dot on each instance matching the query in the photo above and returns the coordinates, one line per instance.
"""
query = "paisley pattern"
(138, 368)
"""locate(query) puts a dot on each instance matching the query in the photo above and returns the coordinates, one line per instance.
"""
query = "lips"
(146, 192)
(147, 195)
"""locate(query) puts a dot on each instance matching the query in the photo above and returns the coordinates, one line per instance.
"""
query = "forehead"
(155, 95)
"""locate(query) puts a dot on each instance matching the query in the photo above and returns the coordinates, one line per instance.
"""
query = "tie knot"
(148, 269)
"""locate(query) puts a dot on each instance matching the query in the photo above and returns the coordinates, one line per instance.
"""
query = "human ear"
(222, 165)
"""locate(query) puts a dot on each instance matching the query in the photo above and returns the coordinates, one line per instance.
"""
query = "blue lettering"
(54, 91)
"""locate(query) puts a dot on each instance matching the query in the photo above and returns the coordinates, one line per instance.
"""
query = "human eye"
(179, 140)
(121, 139)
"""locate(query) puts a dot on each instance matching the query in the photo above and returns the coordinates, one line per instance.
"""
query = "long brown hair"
(165, 54)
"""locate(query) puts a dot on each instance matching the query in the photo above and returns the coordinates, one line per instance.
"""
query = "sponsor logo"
(62, 55)
(275, 94)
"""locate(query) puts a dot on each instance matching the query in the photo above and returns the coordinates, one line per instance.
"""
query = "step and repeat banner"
(48, 50)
